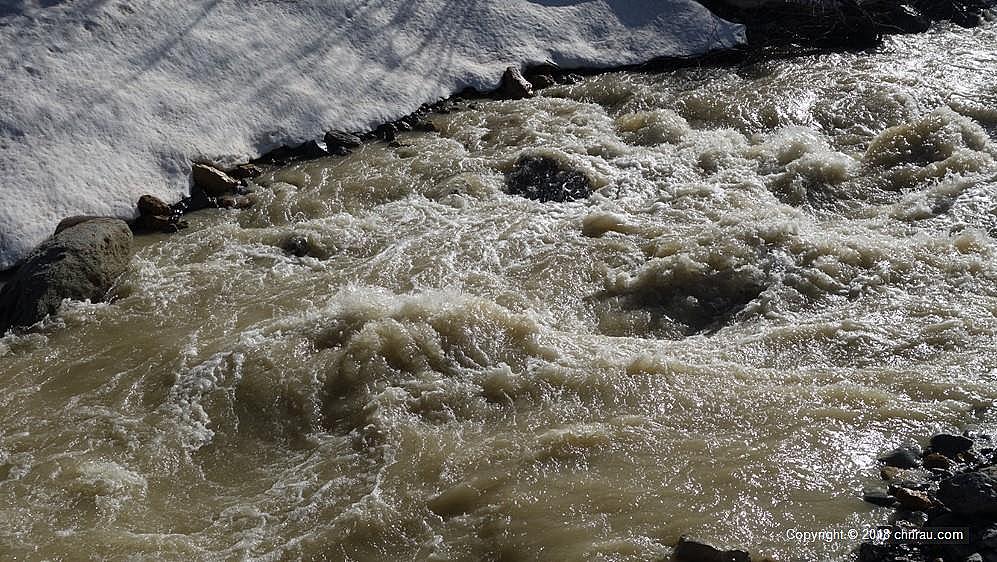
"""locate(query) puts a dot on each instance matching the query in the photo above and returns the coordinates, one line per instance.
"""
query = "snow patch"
(101, 102)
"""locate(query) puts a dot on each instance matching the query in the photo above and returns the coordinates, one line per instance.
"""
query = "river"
(787, 269)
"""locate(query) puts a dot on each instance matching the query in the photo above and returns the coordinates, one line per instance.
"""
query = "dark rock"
(545, 179)
(309, 150)
(297, 246)
(79, 262)
(158, 223)
(514, 85)
(213, 181)
(937, 461)
(73, 221)
(284, 154)
(387, 132)
(889, 472)
(872, 552)
(335, 141)
(234, 202)
(150, 205)
(971, 493)
(902, 457)
(246, 171)
(542, 81)
(914, 500)
(950, 445)
(692, 551)
(879, 497)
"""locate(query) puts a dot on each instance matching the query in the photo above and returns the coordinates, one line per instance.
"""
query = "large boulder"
(971, 494)
(79, 262)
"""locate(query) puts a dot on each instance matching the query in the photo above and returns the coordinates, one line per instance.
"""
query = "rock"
(878, 497)
(541, 81)
(902, 552)
(234, 202)
(514, 86)
(284, 154)
(159, 223)
(971, 493)
(297, 245)
(692, 551)
(386, 132)
(80, 262)
(149, 205)
(246, 171)
(213, 181)
(890, 472)
(913, 500)
(902, 457)
(340, 142)
(936, 460)
(950, 445)
(73, 221)
(545, 179)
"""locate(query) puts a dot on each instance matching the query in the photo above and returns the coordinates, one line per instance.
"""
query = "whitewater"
(103, 101)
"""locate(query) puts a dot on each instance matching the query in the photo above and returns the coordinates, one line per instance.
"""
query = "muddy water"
(788, 268)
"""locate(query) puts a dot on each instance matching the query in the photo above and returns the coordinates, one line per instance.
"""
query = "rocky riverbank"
(951, 485)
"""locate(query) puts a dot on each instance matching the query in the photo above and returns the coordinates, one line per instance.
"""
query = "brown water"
(788, 269)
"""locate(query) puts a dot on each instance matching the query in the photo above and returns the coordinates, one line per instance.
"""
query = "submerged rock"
(545, 179)
(297, 246)
(902, 457)
(692, 551)
(213, 181)
(234, 202)
(80, 262)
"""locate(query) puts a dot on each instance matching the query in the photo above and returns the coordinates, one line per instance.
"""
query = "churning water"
(788, 268)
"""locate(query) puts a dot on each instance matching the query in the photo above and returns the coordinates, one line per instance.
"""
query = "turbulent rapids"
(785, 268)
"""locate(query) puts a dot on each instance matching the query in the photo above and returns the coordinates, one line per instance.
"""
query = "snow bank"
(104, 100)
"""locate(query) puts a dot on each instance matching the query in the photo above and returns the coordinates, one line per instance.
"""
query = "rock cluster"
(80, 262)
(952, 484)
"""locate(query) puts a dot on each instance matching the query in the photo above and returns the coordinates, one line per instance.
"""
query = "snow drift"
(104, 100)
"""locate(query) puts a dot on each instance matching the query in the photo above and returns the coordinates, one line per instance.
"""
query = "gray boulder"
(971, 493)
(79, 262)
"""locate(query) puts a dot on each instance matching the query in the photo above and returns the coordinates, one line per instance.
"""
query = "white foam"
(101, 102)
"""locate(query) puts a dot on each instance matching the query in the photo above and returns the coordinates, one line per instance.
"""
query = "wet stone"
(245, 171)
(878, 497)
(693, 551)
(336, 140)
(546, 180)
(902, 457)
(950, 445)
(297, 246)
(913, 500)
(937, 461)
(234, 202)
